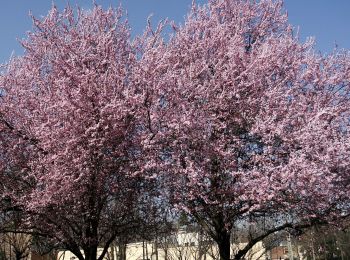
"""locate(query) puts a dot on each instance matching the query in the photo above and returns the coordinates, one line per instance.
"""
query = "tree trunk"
(112, 252)
(143, 250)
(90, 253)
(156, 248)
(146, 250)
(200, 245)
(122, 251)
(19, 255)
(224, 245)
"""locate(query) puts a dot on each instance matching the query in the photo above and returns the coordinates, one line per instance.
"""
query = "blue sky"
(328, 21)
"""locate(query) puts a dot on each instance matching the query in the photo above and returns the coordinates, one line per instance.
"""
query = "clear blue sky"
(327, 20)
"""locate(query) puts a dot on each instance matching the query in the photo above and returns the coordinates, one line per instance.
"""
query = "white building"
(182, 245)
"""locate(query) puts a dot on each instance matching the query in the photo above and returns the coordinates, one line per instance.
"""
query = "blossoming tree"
(71, 131)
(250, 123)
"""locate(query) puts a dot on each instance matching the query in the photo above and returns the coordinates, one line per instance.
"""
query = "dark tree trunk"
(19, 255)
(224, 245)
(91, 253)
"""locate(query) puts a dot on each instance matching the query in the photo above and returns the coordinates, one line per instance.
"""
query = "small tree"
(249, 123)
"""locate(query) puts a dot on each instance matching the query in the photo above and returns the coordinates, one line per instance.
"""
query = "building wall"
(184, 246)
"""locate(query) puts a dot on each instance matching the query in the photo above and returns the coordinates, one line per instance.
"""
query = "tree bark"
(156, 248)
(19, 255)
(224, 245)
(91, 253)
